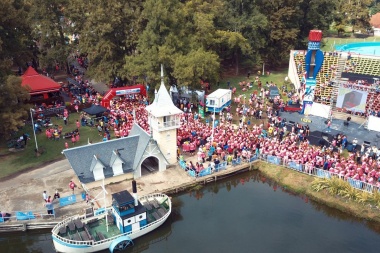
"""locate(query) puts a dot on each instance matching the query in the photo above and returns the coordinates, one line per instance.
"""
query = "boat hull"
(64, 245)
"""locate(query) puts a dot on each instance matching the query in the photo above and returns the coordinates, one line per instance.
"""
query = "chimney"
(134, 191)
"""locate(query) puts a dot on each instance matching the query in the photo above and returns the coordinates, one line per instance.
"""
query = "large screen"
(352, 100)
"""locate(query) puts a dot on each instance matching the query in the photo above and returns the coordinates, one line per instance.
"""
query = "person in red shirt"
(72, 185)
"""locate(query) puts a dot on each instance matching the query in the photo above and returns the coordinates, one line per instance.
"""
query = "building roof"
(38, 83)
(162, 104)
(143, 142)
(375, 20)
(82, 158)
(130, 150)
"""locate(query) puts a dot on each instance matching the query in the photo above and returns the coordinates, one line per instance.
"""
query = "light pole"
(34, 130)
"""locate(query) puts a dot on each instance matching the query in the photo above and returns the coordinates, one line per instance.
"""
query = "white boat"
(114, 227)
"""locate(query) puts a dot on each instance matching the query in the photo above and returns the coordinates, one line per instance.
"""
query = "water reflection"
(244, 213)
(255, 176)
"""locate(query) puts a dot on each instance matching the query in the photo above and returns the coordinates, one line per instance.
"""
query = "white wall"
(320, 110)
(374, 123)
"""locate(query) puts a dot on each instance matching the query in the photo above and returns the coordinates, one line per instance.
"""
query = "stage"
(318, 126)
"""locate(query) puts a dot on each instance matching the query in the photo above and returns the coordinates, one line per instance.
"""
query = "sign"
(201, 111)
(306, 120)
(127, 91)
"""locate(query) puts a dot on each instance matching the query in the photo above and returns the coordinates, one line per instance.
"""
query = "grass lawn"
(14, 162)
(329, 43)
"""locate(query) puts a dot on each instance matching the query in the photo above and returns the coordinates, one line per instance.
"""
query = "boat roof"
(123, 197)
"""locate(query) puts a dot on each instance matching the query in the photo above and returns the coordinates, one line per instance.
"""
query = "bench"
(154, 202)
(92, 221)
(88, 232)
(156, 215)
(101, 236)
(84, 236)
(161, 212)
(71, 226)
(147, 206)
(63, 230)
(78, 223)
(76, 237)
(110, 219)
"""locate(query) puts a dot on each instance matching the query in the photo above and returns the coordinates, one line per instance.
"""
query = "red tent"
(39, 84)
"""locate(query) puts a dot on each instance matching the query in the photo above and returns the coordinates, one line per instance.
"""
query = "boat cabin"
(128, 215)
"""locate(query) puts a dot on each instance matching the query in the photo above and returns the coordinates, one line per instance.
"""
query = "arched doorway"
(149, 165)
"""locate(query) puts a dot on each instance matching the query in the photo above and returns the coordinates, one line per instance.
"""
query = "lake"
(244, 213)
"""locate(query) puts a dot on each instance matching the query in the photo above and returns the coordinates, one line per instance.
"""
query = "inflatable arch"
(127, 90)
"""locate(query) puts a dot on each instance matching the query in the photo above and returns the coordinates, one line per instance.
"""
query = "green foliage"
(50, 30)
(108, 32)
(13, 109)
(355, 14)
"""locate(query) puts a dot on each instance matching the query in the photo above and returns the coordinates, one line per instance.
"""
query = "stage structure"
(313, 63)
(351, 99)
(122, 91)
(320, 110)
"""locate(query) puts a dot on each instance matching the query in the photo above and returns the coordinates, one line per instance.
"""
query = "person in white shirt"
(44, 195)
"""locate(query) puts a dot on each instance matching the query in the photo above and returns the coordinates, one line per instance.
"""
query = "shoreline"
(301, 184)
(294, 181)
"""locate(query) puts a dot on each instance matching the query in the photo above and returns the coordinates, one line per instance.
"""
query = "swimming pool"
(363, 48)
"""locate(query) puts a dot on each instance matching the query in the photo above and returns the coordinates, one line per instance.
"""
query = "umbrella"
(95, 109)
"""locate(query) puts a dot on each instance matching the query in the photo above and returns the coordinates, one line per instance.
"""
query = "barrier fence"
(320, 173)
(309, 170)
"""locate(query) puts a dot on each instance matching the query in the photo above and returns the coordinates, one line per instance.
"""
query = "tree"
(13, 107)
(244, 19)
(50, 30)
(196, 66)
(15, 48)
(108, 31)
(184, 36)
(282, 31)
(355, 13)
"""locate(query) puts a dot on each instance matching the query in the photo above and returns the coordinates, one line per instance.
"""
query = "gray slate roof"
(81, 158)
(143, 142)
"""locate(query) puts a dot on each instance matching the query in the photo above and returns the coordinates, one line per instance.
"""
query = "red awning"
(38, 83)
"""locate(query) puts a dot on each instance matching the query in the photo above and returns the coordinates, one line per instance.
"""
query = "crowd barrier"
(357, 184)
(316, 172)
(26, 215)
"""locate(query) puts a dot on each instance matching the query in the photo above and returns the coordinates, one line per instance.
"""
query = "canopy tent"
(95, 109)
(39, 84)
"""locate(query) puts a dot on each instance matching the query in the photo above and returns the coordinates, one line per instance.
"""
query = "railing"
(320, 173)
(27, 215)
(290, 164)
(55, 230)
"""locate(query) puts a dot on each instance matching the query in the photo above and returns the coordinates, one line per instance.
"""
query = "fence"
(312, 171)
(320, 173)
(27, 215)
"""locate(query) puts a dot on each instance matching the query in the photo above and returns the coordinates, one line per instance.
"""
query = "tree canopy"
(194, 39)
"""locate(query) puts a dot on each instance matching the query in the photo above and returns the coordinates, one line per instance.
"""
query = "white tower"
(164, 119)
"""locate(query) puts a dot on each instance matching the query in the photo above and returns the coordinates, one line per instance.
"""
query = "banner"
(201, 112)
(352, 100)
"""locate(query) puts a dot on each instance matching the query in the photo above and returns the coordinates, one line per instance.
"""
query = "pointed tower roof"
(162, 104)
